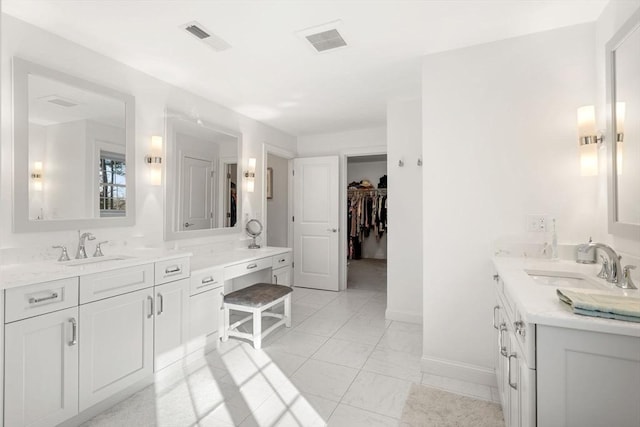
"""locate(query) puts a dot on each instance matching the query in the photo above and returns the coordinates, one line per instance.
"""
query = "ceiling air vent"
(197, 30)
(326, 40)
(325, 37)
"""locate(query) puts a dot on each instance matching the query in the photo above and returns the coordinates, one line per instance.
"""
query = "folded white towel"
(602, 305)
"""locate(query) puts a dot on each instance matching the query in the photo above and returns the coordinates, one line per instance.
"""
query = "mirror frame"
(20, 209)
(617, 228)
(171, 181)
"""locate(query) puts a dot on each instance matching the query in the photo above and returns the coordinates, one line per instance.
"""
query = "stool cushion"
(257, 295)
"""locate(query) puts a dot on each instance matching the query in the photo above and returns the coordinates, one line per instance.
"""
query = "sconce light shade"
(589, 160)
(36, 176)
(250, 175)
(588, 140)
(154, 160)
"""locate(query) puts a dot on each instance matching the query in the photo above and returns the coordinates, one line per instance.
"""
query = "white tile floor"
(340, 364)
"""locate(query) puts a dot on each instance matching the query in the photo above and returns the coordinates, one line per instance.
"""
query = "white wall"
(277, 207)
(152, 97)
(612, 18)
(404, 240)
(372, 247)
(349, 142)
(499, 139)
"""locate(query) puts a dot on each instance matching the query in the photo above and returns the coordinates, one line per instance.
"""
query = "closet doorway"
(367, 222)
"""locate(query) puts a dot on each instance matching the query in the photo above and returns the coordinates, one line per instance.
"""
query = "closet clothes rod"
(382, 191)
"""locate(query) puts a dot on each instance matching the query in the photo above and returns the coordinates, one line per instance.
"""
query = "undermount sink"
(96, 260)
(562, 279)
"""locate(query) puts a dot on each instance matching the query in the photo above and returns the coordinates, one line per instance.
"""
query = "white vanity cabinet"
(515, 364)
(282, 271)
(41, 353)
(41, 381)
(171, 322)
(587, 378)
(116, 345)
(204, 308)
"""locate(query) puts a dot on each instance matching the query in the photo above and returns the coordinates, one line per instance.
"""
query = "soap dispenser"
(586, 254)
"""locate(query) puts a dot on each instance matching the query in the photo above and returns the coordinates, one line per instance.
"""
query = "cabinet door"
(41, 354)
(172, 304)
(117, 345)
(204, 311)
(282, 276)
(587, 378)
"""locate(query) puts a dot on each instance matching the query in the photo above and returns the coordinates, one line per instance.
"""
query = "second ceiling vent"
(325, 37)
(197, 30)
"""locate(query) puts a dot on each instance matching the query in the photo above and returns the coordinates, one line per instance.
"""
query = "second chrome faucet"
(612, 270)
(81, 252)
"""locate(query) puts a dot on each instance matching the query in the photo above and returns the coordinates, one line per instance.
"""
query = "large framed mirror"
(203, 178)
(73, 152)
(623, 129)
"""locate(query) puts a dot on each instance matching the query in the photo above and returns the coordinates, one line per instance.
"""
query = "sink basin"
(96, 260)
(562, 279)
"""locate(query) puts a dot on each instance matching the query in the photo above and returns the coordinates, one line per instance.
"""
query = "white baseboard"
(458, 370)
(403, 316)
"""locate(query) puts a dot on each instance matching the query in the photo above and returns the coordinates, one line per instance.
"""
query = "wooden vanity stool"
(256, 299)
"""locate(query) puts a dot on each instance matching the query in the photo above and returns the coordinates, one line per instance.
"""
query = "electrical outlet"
(537, 223)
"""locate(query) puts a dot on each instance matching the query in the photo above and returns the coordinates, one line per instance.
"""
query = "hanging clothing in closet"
(367, 216)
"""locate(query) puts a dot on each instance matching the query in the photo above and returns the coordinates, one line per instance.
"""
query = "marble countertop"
(215, 259)
(538, 303)
(14, 275)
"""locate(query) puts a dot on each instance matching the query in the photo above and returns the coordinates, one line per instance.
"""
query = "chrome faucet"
(614, 270)
(81, 253)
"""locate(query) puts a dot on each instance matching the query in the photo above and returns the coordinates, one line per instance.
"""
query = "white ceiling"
(270, 74)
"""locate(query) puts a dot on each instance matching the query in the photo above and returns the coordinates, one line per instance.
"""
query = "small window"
(112, 184)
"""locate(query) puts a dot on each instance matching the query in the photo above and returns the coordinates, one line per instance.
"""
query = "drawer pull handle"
(37, 300)
(172, 270)
(150, 299)
(282, 260)
(74, 332)
(512, 385)
(160, 304)
(497, 307)
(502, 347)
(251, 266)
(208, 280)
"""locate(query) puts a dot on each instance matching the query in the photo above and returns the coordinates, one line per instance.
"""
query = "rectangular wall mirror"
(203, 182)
(623, 129)
(73, 152)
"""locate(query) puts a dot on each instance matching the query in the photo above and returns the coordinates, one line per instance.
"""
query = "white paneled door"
(315, 224)
(197, 209)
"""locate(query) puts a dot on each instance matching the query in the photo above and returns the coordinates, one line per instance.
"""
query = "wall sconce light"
(154, 160)
(36, 176)
(589, 140)
(250, 175)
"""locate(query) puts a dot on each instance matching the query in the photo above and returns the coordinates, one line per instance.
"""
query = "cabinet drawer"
(282, 260)
(205, 280)
(107, 284)
(171, 270)
(41, 298)
(237, 270)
